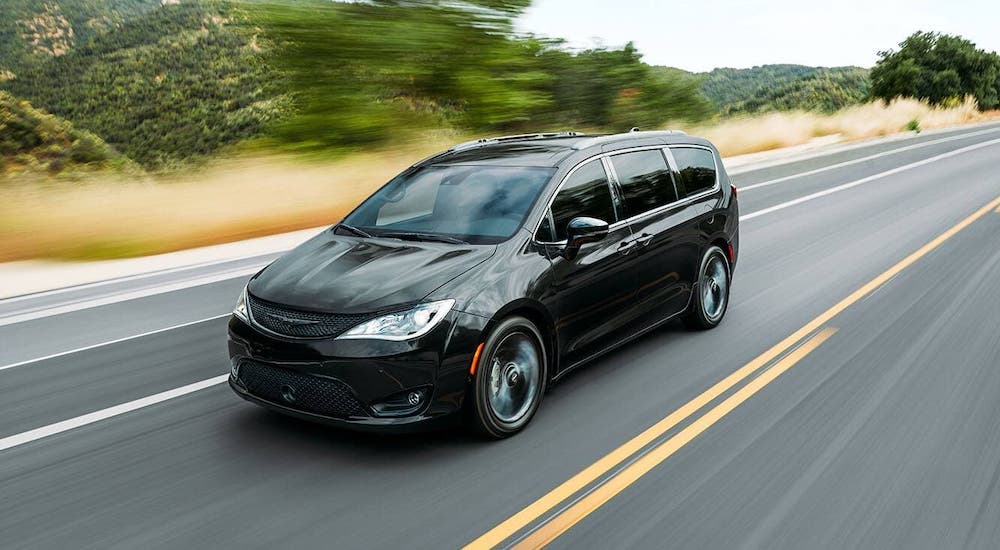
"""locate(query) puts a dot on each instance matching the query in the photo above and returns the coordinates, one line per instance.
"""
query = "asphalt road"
(868, 416)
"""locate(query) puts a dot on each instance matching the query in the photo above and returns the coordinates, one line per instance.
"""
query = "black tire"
(505, 360)
(707, 309)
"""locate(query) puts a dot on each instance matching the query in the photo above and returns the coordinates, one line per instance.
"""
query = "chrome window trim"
(617, 199)
(605, 158)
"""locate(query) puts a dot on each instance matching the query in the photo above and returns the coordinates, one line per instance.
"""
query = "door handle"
(626, 246)
(644, 239)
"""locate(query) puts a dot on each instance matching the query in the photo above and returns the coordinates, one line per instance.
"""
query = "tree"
(362, 72)
(938, 67)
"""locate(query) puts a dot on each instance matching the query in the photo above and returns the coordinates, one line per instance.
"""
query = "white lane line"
(864, 159)
(127, 278)
(871, 178)
(104, 414)
(111, 342)
(125, 296)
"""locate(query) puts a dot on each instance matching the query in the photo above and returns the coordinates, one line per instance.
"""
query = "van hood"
(344, 274)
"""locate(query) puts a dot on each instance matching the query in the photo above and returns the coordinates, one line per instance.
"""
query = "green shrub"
(33, 140)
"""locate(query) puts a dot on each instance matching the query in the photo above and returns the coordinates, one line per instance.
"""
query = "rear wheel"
(711, 291)
(510, 379)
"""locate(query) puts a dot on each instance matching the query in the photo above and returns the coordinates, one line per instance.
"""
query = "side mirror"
(581, 231)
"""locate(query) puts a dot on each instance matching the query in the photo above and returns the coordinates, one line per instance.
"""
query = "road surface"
(850, 399)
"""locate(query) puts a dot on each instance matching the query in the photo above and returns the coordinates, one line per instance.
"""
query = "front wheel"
(711, 291)
(510, 379)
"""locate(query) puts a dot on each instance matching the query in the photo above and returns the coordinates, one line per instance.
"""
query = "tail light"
(733, 186)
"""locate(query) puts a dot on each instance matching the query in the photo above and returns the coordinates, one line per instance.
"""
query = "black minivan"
(479, 276)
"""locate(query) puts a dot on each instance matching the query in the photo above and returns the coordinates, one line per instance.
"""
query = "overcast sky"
(703, 34)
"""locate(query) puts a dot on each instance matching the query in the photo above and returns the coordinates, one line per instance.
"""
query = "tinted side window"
(645, 180)
(696, 170)
(585, 193)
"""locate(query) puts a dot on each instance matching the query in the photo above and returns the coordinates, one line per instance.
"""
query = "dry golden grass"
(743, 135)
(230, 201)
(241, 198)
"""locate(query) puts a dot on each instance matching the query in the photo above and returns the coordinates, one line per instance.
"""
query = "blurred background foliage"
(939, 68)
(164, 83)
(362, 72)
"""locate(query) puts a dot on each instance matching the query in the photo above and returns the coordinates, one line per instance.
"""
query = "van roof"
(544, 149)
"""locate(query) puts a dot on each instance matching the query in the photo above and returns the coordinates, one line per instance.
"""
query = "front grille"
(303, 392)
(303, 324)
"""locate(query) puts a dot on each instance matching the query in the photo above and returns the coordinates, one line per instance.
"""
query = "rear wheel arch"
(698, 316)
(724, 245)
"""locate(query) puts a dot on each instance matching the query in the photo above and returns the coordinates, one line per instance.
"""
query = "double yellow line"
(614, 485)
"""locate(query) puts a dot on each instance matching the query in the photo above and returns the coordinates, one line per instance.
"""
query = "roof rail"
(636, 130)
(516, 137)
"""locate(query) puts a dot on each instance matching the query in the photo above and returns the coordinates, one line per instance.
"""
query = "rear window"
(585, 194)
(645, 180)
(695, 170)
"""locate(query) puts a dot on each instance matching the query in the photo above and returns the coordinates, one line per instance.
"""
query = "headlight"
(403, 325)
(241, 307)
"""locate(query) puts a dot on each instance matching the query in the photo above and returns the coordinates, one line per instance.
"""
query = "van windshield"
(476, 204)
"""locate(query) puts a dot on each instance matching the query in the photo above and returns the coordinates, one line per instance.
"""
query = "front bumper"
(349, 382)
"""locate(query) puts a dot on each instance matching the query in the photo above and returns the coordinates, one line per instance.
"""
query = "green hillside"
(161, 85)
(31, 140)
(32, 31)
(727, 88)
(825, 90)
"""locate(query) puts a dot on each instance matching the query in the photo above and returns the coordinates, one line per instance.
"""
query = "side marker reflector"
(475, 359)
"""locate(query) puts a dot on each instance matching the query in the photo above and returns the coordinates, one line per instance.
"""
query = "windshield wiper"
(355, 230)
(425, 237)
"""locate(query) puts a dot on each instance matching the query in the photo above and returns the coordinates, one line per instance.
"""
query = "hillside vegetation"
(162, 86)
(33, 141)
(725, 86)
(32, 31)
(785, 88)
(826, 91)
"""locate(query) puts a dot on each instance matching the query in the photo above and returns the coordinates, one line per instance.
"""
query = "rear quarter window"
(696, 171)
(645, 180)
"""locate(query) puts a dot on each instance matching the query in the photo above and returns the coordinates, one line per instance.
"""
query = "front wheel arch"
(537, 314)
(485, 400)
